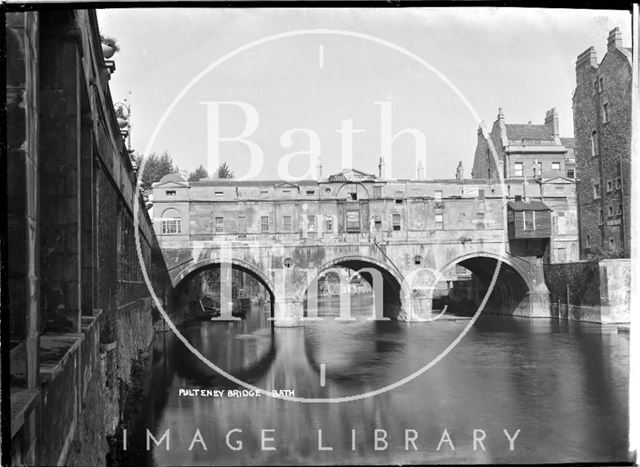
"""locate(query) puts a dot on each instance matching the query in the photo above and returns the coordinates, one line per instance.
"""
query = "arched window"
(171, 222)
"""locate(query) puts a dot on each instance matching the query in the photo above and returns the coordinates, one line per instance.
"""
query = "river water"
(564, 385)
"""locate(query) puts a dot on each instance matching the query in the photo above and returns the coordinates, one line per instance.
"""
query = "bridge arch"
(235, 263)
(392, 279)
(513, 287)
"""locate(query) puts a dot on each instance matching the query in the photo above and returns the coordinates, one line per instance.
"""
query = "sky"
(408, 83)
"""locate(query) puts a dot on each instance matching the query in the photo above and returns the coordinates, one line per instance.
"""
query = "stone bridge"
(402, 235)
(407, 269)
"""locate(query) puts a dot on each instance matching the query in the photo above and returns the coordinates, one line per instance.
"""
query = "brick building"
(525, 150)
(602, 127)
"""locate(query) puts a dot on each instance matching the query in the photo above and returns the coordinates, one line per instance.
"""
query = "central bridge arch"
(392, 279)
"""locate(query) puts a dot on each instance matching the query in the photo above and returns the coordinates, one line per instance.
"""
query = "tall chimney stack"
(588, 57)
(551, 121)
(615, 39)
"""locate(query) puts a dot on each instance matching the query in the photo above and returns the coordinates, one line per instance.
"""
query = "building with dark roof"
(524, 150)
(602, 127)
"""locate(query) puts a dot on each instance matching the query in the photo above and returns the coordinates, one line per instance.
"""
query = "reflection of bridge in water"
(401, 236)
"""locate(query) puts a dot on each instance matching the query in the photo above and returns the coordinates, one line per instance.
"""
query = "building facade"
(602, 127)
(524, 150)
(356, 206)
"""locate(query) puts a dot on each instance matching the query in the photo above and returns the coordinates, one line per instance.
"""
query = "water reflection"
(564, 385)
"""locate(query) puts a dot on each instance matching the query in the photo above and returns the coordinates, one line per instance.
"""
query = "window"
(594, 143)
(609, 186)
(377, 192)
(286, 223)
(377, 223)
(480, 220)
(600, 84)
(605, 112)
(612, 243)
(555, 166)
(311, 192)
(601, 217)
(171, 226)
(537, 169)
(264, 192)
(311, 222)
(619, 209)
(328, 224)
(353, 196)
(242, 225)
(219, 224)
(417, 260)
(170, 192)
(596, 190)
(439, 221)
(517, 169)
(618, 183)
(219, 193)
(396, 222)
(588, 242)
(288, 262)
(571, 173)
(286, 191)
(610, 211)
(528, 220)
(481, 195)
(398, 201)
(438, 195)
(264, 223)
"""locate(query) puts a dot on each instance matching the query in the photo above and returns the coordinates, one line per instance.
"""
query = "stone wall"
(82, 313)
(595, 291)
